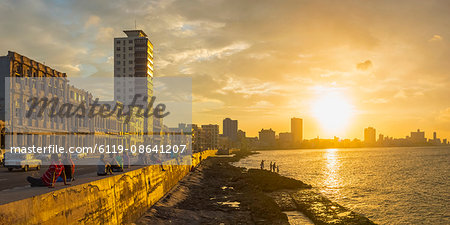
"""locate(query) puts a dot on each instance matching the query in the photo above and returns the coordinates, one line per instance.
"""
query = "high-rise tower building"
(133, 70)
(230, 128)
(297, 130)
(370, 135)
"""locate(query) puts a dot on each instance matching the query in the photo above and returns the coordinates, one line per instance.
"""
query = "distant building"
(267, 138)
(224, 142)
(241, 135)
(435, 141)
(285, 139)
(252, 142)
(380, 138)
(370, 135)
(196, 138)
(230, 129)
(297, 130)
(418, 137)
(210, 136)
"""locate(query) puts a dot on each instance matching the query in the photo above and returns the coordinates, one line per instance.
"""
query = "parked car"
(43, 157)
(21, 161)
(79, 155)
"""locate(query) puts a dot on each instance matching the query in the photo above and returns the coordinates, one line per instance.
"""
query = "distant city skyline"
(382, 64)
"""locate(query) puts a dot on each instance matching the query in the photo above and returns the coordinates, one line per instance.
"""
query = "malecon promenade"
(210, 192)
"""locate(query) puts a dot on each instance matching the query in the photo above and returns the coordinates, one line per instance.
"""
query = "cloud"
(209, 40)
(364, 65)
(92, 21)
(435, 38)
(208, 54)
(247, 87)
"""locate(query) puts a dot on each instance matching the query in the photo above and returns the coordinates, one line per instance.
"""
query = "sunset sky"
(340, 65)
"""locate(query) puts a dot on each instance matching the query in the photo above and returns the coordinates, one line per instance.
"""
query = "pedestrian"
(115, 166)
(103, 168)
(119, 160)
(274, 166)
(262, 164)
(278, 169)
(271, 166)
(51, 175)
(69, 168)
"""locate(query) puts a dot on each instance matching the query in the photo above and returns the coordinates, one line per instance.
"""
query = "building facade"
(29, 79)
(370, 134)
(230, 129)
(297, 130)
(133, 71)
(210, 136)
(267, 138)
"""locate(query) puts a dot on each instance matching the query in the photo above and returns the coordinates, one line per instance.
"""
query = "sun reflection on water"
(332, 180)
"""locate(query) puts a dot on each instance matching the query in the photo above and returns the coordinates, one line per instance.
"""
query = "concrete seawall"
(117, 199)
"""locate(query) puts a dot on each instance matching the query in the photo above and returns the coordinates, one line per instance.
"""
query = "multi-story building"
(230, 129)
(370, 136)
(210, 136)
(285, 139)
(297, 130)
(418, 137)
(29, 79)
(241, 135)
(133, 71)
(196, 138)
(267, 138)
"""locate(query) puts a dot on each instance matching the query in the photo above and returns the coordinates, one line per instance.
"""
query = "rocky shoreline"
(220, 193)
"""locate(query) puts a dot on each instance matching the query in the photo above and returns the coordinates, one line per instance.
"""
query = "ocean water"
(408, 185)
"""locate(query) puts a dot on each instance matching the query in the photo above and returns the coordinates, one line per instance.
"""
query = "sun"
(333, 111)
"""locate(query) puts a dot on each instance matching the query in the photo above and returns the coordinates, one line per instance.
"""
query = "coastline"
(218, 192)
(368, 147)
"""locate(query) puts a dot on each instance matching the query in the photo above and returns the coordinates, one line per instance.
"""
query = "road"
(18, 178)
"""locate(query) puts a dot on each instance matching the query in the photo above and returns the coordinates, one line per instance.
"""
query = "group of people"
(58, 171)
(273, 167)
(116, 164)
(64, 170)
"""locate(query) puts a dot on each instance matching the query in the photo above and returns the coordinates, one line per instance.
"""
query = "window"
(130, 62)
(130, 41)
(118, 48)
(130, 48)
(117, 55)
(118, 62)
(118, 42)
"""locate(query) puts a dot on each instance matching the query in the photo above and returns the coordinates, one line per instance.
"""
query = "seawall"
(116, 199)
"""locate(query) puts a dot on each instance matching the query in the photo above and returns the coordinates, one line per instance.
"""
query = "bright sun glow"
(333, 112)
